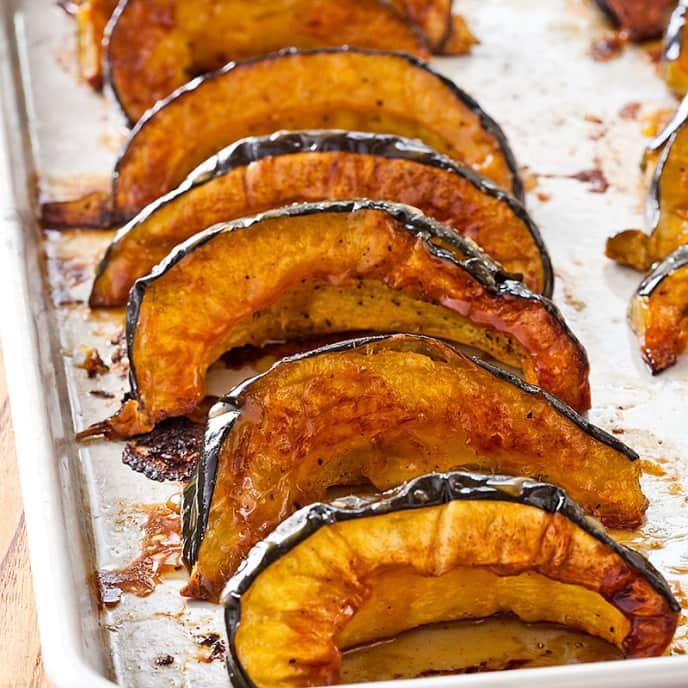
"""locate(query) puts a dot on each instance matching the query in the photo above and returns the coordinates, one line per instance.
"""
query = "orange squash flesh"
(666, 206)
(444, 33)
(91, 18)
(314, 166)
(659, 312)
(336, 576)
(675, 54)
(155, 46)
(337, 266)
(342, 89)
(383, 410)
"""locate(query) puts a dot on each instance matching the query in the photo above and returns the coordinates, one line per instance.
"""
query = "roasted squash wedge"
(640, 19)
(659, 312)
(666, 206)
(675, 54)
(340, 88)
(383, 410)
(442, 547)
(322, 268)
(92, 17)
(155, 46)
(444, 32)
(265, 172)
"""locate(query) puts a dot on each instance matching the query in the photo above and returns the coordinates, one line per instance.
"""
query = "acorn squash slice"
(341, 88)
(659, 312)
(92, 17)
(153, 47)
(383, 410)
(260, 173)
(641, 20)
(323, 268)
(444, 33)
(666, 205)
(442, 547)
(675, 53)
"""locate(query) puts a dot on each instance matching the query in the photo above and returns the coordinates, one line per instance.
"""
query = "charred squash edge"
(477, 263)
(487, 123)
(671, 264)
(254, 148)
(198, 493)
(430, 490)
(613, 17)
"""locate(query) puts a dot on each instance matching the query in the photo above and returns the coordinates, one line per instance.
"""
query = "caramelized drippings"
(216, 643)
(595, 177)
(92, 363)
(630, 110)
(169, 452)
(608, 47)
(65, 274)
(161, 552)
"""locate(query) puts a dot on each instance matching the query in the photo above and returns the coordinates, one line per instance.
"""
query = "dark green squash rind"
(199, 491)
(487, 123)
(426, 491)
(245, 151)
(608, 11)
(473, 260)
(672, 37)
(653, 199)
(675, 261)
(678, 119)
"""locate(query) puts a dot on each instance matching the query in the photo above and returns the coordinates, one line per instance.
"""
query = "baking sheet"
(564, 114)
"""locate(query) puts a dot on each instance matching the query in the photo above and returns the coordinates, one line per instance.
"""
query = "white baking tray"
(559, 108)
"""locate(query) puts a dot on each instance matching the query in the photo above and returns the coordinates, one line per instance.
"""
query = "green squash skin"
(459, 250)
(487, 122)
(426, 491)
(254, 148)
(198, 492)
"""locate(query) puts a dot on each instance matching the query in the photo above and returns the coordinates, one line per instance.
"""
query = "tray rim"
(58, 599)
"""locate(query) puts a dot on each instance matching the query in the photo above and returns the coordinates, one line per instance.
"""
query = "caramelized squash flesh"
(446, 33)
(639, 19)
(666, 208)
(92, 17)
(332, 577)
(342, 89)
(675, 54)
(155, 46)
(264, 172)
(659, 312)
(382, 411)
(337, 266)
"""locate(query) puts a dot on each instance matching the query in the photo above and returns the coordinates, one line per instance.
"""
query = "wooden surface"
(20, 656)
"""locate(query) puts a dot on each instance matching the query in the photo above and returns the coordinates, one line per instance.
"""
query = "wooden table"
(20, 650)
